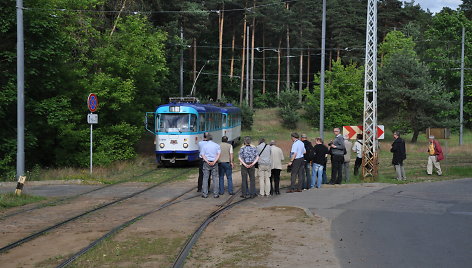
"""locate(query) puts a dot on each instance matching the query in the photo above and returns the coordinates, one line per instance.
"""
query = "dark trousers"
(357, 164)
(298, 170)
(275, 181)
(337, 162)
(251, 172)
(200, 176)
(306, 176)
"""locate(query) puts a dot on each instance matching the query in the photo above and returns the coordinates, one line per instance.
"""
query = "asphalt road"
(413, 225)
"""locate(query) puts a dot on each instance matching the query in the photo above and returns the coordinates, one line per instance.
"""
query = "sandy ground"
(245, 236)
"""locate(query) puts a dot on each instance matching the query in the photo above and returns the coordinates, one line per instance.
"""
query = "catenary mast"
(370, 142)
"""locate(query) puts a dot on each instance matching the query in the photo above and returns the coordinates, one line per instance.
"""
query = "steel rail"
(179, 261)
(39, 233)
(120, 227)
(70, 197)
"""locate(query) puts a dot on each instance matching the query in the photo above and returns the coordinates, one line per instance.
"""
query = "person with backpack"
(306, 182)
(357, 148)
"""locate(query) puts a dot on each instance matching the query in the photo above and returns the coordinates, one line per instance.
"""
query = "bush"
(247, 117)
(289, 105)
(267, 100)
(289, 116)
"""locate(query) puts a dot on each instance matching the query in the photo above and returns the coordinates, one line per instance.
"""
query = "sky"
(436, 5)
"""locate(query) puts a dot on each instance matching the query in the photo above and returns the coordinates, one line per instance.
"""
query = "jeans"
(252, 180)
(225, 168)
(316, 175)
(307, 177)
(210, 171)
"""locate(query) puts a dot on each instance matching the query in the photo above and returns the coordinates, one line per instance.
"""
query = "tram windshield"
(176, 122)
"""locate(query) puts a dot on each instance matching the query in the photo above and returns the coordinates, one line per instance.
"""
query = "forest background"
(128, 52)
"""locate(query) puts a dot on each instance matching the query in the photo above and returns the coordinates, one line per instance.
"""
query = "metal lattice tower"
(370, 157)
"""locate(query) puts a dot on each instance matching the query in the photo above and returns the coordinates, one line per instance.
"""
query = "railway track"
(118, 228)
(55, 202)
(71, 219)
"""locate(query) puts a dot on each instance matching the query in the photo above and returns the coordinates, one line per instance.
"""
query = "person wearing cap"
(399, 154)
(276, 157)
(435, 155)
(347, 158)
(296, 162)
(306, 180)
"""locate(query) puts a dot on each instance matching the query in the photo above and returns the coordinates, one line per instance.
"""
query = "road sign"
(351, 131)
(92, 102)
(92, 118)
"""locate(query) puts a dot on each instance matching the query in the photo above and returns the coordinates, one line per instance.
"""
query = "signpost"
(92, 103)
(351, 131)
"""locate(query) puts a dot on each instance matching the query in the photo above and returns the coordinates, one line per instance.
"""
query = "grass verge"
(10, 200)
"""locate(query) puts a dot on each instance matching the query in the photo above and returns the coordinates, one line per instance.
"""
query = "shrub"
(247, 117)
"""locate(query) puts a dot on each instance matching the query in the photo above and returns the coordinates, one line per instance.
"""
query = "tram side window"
(192, 123)
(202, 122)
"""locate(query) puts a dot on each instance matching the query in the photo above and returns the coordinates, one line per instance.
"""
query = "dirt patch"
(265, 237)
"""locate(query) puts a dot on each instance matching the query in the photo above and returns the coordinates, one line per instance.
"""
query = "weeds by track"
(55, 202)
(43, 231)
(120, 227)
(179, 261)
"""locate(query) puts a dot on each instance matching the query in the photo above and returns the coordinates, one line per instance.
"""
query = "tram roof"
(205, 108)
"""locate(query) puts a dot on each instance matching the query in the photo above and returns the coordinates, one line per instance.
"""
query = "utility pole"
(247, 65)
(369, 149)
(20, 67)
(461, 120)
(221, 20)
(181, 63)
(322, 73)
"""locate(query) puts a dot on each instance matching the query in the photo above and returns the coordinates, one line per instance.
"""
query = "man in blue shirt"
(210, 154)
(201, 144)
(297, 163)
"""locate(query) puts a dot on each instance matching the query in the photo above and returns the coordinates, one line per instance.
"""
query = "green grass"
(134, 252)
(10, 200)
(141, 169)
(457, 164)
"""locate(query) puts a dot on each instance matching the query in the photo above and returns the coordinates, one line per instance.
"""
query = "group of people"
(217, 161)
(307, 163)
(435, 155)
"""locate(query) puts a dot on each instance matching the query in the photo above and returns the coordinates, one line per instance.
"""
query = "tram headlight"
(161, 145)
(185, 145)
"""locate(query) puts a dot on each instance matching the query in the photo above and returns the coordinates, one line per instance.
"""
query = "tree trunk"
(251, 87)
(278, 69)
(414, 139)
(338, 53)
(117, 18)
(243, 61)
(288, 56)
(300, 78)
(194, 59)
(263, 64)
(222, 17)
(308, 69)
(330, 59)
(232, 57)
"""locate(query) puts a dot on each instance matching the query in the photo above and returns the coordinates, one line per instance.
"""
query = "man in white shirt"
(210, 154)
(297, 163)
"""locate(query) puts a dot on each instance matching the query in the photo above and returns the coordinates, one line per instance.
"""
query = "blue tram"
(179, 126)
